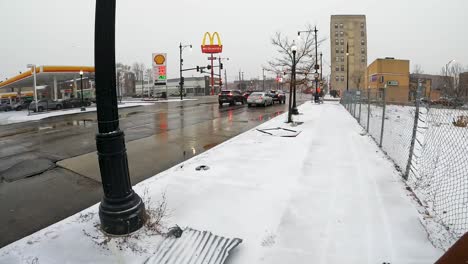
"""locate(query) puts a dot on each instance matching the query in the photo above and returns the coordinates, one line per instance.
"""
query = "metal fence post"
(415, 128)
(383, 116)
(368, 109)
(355, 103)
(359, 117)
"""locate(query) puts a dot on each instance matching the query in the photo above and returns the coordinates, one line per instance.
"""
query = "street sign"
(392, 83)
(316, 75)
(212, 58)
(159, 68)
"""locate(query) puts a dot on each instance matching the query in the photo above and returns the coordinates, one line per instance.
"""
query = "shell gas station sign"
(159, 68)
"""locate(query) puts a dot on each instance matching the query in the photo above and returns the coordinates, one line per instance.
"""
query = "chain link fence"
(428, 143)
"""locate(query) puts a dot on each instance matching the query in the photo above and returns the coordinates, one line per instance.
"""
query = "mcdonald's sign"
(211, 48)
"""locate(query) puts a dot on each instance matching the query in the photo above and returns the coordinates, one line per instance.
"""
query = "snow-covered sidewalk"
(326, 196)
(23, 116)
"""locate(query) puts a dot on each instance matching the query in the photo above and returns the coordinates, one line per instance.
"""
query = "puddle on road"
(130, 114)
(266, 117)
(46, 127)
(208, 146)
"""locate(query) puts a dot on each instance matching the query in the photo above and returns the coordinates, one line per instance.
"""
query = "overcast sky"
(53, 32)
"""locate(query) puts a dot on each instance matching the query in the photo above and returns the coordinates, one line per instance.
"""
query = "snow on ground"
(439, 169)
(22, 116)
(328, 195)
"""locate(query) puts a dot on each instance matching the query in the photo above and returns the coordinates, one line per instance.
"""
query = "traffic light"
(221, 66)
(198, 68)
(208, 67)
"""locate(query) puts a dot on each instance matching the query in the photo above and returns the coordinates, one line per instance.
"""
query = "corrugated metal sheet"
(194, 247)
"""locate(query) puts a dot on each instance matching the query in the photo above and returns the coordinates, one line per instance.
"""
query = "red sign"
(162, 70)
(211, 48)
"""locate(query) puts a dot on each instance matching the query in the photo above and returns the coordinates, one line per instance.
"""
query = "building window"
(342, 78)
(342, 41)
(336, 25)
(362, 42)
(341, 33)
(342, 67)
(363, 51)
(341, 25)
(337, 68)
(336, 33)
(363, 59)
(337, 50)
(336, 41)
(362, 33)
(337, 58)
(342, 58)
(342, 50)
(362, 25)
(337, 78)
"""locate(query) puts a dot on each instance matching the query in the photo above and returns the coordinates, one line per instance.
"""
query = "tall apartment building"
(348, 35)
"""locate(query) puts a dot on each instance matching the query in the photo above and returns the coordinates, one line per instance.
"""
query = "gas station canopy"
(46, 75)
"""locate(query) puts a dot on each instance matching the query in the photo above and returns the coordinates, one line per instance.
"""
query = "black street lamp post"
(316, 75)
(347, 66)
(292, 86)
(316, 66)
(293, 76)
(181, 81)
(81, 88)
(121, 210)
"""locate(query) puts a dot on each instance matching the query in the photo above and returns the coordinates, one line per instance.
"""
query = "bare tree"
(417, 69)
(138, 69)
(452, 79)
(305, 54)
(149, 74)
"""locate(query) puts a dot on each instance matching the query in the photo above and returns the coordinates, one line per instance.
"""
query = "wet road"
(158, 136)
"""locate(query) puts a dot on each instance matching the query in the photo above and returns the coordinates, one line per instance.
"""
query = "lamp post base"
(122, 216)
(294, 111)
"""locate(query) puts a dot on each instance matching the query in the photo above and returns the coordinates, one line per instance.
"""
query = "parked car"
(20, 105)
(278, 96)
(177, 94)
(246, 95)
(231, 97)
(75, 102)
(260, 98)
(4, 106)
(45, 104)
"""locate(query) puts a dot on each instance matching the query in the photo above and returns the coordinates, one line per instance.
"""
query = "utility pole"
(263, 84)
(321, 66)
(121, 210)
(225, 79)
(181, 80)
(242, 78)
(219, 69)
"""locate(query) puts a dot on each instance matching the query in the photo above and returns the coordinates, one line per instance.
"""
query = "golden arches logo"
(211, 48)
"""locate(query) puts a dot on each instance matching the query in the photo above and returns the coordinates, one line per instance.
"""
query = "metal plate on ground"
(195, 247)
(280, 132)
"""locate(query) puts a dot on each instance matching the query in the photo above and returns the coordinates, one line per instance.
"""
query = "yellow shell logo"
(159, 59)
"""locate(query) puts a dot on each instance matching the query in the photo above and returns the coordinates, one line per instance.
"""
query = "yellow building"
(392, 75)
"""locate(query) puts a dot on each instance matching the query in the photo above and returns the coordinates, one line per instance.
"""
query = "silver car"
(45, 104)
(259, 98)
